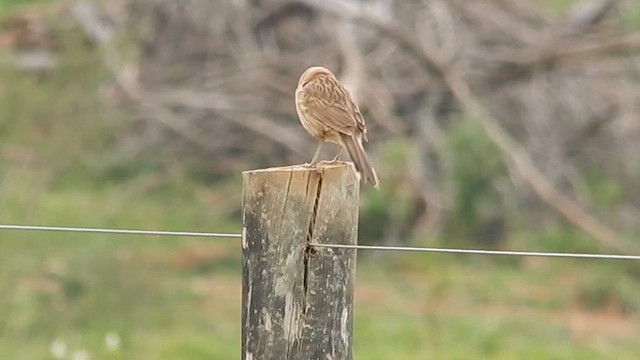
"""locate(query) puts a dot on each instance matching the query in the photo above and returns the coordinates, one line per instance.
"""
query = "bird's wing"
(359, 121)
(333, 106)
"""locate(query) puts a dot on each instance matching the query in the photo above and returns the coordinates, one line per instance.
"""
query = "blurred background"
(494, 124)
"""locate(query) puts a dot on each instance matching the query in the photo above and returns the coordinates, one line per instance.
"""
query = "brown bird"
(328, 113)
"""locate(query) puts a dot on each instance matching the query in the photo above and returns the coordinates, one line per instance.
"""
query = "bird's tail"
(353, 144)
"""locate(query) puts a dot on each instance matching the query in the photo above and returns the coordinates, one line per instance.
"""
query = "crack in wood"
(286, 197)
(308, 251)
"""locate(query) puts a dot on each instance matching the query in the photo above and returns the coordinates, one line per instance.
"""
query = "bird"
(329, 114)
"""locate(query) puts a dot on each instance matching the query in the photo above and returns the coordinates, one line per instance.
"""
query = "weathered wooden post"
(297, 301)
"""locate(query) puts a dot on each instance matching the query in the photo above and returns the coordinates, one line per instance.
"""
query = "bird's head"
(312, 73)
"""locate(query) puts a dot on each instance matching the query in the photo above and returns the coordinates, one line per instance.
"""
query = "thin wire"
(361, 247)
(481, 252)
(117, 231)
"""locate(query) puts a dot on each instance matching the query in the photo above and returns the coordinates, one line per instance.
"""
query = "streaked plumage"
(328, 113)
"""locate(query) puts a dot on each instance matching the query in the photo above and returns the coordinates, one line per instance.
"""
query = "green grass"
(413, 310)
(9, 5)
(179, 298)
(629, 12)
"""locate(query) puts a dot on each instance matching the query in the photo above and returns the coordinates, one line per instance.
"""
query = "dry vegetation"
(551, 103)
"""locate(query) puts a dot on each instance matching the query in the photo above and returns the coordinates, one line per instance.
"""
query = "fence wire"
(480, 252)
(117, 231)
(334, 246)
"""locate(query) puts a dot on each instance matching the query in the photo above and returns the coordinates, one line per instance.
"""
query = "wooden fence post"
(297, 301)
